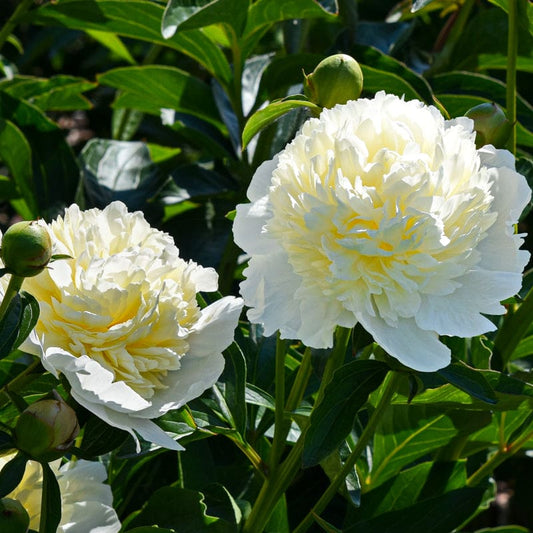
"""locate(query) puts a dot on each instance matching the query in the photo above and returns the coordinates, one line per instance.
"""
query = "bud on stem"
(335, 80)
(46, 429)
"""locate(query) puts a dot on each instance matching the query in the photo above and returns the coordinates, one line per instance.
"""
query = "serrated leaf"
(50, 503)
(262, 118)
(332, 420)
(12, 474)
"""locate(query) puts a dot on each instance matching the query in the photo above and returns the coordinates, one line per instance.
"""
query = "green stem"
(283, 424)
(389, 388)
(279, 412)
(13, 21)
(443, 59)
(12, 290)
(512, 52)
(335, 359)
(300, 383)
(497, 459)
(281, 478)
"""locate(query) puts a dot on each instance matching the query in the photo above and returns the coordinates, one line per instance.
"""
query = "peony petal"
(412, 346)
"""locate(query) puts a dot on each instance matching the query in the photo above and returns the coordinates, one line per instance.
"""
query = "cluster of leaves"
(184, 100)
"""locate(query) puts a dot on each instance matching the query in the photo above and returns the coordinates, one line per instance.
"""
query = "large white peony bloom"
(382, 212)
(120, 320)
(86, 502)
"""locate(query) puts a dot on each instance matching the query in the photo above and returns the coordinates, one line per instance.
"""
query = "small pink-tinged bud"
(335, 80)
(46, 429)
(491, 124)
(13, 517)
(26, 248)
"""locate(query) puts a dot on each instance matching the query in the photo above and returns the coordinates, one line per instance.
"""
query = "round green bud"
(46, 429)
(13, 517)
(26, 248)
(335, 80)
(491, 124)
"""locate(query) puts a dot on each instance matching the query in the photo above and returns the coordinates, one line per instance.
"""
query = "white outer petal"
(414, 347)
(202, 365)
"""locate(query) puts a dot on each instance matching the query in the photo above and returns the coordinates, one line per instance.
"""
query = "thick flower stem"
(512, 51)
(283, 422)
(389, 388)
(281, 477)
(15, 283)
(279, 416)
(497, 459)
(335, 359)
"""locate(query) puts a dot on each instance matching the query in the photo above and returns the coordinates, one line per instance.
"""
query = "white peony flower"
(120, 320)
(383, 213)
(86, 502)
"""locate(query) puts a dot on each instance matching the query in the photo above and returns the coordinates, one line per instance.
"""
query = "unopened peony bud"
(26, 248)
(491, 124)
(13, 517)
(335, 80)
(46, 429)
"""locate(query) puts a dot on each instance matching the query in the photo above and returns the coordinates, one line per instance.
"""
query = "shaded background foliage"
(97, 104)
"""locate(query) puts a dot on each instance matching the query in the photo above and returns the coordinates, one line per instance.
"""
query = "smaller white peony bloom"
(86, 501)
(383, 213)
(121, 322)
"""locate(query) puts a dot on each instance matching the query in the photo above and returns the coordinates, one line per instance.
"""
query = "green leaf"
(332, 420)
(150, 529)
(12, 473)
(54, 167)
(113, 43)
(180, 509)
(137, 19)
(408, 432)
(415, 484)
(119, 170)
(420, 4)
(431, 514)
(504, 529)
(29, 318)
(192, 14)
(480, 85)
(153, 88)
(469, 380)
(100, 438)
(58, 93)
(264, 12)
(262, 118)
(400, 77)
(51, 502)
(15, 152)
(234, 379)
(20, 318)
